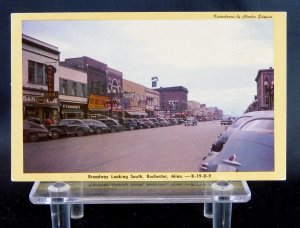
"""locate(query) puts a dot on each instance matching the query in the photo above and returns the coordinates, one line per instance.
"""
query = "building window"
(74, 88)
(31, 71)
(36, 73)
(83, 90)
(64, 87)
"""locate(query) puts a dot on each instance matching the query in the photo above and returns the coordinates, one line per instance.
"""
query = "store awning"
(133, 113)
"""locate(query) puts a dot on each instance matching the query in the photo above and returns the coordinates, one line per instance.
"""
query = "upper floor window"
(74, 88)
(36, 72)
(64, 87)
(83, 90)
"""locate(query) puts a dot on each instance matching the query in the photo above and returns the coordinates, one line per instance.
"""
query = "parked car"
(162, 122)
(173, 121)
(35, 120)
(218, 144)
(226, 121)
(148, 122)
(69, 127)
(155, 121)
(250, 148)
(33, 132)
(180, 121)
(191, 121)
(128, 123)
(112, 124)
(96, 126)
(140, 124)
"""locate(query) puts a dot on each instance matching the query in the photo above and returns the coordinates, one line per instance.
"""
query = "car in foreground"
(69, 127)
(96, 126)
(33, 132)
(112, 124)
(223, 137)
(250, 148)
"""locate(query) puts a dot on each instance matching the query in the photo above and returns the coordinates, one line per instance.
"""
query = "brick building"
(173, 100)
(265, 89)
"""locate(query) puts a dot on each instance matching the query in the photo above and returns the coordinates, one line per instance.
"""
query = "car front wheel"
(54, 134)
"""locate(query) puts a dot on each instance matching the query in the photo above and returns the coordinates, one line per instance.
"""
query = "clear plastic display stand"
(67, 199)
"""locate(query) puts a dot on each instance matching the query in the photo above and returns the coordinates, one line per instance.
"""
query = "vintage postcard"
(148, 96)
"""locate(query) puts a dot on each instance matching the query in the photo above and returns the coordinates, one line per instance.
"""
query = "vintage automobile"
(155, 121)
(226, 121)
(218, 144)
(33, 132)
(148, 122)
(140, 124)
(96, 127)
(69, 127)
(173, 121)
(249, 148)
(112, 124)
(191, 121)
(128, 123)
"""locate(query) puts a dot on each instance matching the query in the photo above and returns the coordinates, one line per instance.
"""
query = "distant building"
(152, 102)
(173, 100)
(194, 108)
(265, 89)
(36, 55)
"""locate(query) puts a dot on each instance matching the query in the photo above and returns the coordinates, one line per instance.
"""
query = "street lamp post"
(269, 88)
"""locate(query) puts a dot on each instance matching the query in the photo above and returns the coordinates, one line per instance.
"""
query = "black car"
(128, 123)
(69, 127)
(173, 121)
(140, 124)
(155, 121)
(112, 124)
(148, 122)
(33, 132)
(96, 126)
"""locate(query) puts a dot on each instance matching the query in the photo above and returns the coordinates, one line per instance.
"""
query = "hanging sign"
(50, 94)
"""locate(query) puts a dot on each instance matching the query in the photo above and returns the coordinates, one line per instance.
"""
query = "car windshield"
(260, 125)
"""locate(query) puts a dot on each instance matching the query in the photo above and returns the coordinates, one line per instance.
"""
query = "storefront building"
(72, 93)
(152, 102)
(136, 96)
(36, 55)
(173, 100)
(265, 89)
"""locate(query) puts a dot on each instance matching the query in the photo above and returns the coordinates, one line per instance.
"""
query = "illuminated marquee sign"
(50, 94)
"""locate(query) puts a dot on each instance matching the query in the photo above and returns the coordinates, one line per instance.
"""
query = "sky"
(216, 60)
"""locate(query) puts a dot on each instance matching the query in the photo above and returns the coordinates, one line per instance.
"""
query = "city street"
(166, 149)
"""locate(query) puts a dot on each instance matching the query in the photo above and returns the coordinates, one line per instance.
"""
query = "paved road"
(168, 149)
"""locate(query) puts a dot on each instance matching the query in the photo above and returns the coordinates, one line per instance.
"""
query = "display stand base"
(66, 199)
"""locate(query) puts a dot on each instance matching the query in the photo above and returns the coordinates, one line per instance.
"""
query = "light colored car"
(191, 121)
(250, 148)
(222, 139)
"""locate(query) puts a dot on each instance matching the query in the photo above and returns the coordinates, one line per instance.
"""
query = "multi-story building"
(194, 108)
(173, 100)
(72, 92)
(96, 82)
(134, 99)
(36, 55)
(152, 102)
(265, 89)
